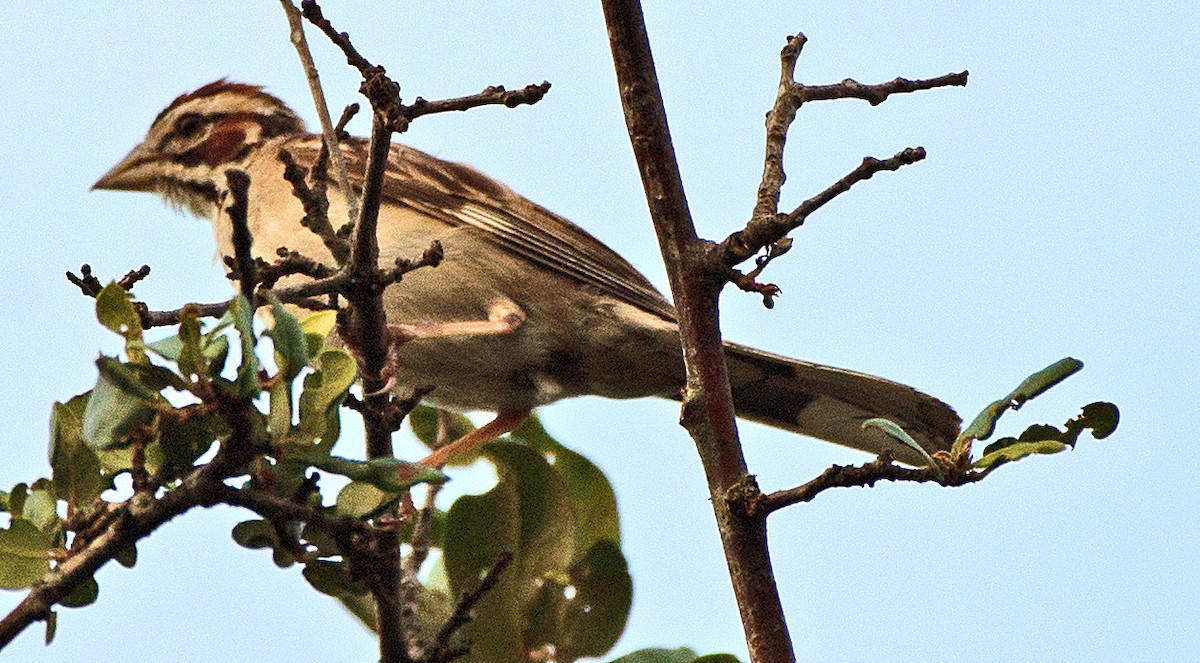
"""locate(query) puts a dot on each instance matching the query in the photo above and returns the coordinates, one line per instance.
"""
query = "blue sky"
(1055, 216)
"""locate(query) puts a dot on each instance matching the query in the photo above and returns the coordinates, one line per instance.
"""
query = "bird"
(527, 307)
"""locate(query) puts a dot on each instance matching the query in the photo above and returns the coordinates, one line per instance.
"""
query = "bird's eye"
(187, 125)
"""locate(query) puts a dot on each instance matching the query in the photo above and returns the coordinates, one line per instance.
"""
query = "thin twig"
(492, 95)
(779, 119)
(315, 203)
(410, 581)
(764, 231)
(766, 224)
(289, 294)
(838, 476)
(314, 85)
(877, 93)
(441, 651)
(87, 283)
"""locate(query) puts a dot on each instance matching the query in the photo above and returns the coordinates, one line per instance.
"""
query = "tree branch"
(318, 94)
(696, 281)
(132, 520)
(490, 96)
(766, 224)
(763, 231)
(838, 476)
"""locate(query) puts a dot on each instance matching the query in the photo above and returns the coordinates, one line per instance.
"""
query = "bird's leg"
(504, 317)
(506, 421)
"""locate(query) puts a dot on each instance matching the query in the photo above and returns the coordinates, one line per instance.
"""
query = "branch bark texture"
(696, 282)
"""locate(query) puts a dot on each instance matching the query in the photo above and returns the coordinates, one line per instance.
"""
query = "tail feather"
(831, 403)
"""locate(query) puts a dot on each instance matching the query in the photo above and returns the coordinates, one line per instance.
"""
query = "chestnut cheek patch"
(223, 145)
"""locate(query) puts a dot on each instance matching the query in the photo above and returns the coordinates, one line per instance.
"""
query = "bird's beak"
(134, 173)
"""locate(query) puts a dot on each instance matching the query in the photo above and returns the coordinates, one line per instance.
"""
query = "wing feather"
(460, 195)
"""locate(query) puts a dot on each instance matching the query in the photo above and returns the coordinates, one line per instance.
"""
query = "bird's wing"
(459, 195)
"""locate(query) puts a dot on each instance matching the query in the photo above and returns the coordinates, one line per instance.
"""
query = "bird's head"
(196, 138)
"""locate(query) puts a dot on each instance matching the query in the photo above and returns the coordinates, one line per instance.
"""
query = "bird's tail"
(831, 403)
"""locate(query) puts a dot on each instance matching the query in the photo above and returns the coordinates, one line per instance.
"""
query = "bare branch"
(766, 224)
(88, 284)
(491, 95)
(318, 93)
(779, 119)
(315, 202)
(696, 280)
(764, 231)
(838, 476)
(874, 94)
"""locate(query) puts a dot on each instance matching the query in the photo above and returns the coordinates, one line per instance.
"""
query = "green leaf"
(41, 507)
(361, 499)
(279, 417)
(192, 357)
(528, 512)
(115, 461)
(184, 439)
(246, 385)
(16, 500)
(332, 578)
(258, 534)
(84, 594)
(389, 474)
(984, 424)
(1101, 417)
(255, 534)
(656, 655)
(324, 542)
(594, 617)
(76, 468)
(317, 327)
(717, 658)
(216, 350)
(364, 609)
(424, 423)
(24, 554)
(291, 347)
(114, 309)
(127, 556)
(899, 434)
(320, 401)
(1017, 451)
(195, 352)
(592, 497)
(119, 403)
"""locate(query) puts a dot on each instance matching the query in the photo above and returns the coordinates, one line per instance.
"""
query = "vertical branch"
(368, 321)
(239, 187)
(368, 331)
(779, 118)
(696, 281)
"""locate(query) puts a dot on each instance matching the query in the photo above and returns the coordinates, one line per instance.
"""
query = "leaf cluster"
(160, 413)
